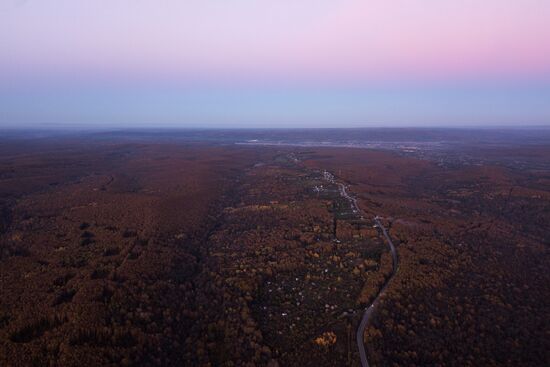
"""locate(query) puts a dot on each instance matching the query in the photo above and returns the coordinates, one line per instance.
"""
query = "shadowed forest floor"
(124, 252)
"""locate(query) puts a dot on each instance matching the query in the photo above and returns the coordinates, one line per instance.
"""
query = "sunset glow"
(309, 50)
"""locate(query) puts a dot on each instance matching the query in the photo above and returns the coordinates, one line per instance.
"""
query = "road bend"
(369, 310)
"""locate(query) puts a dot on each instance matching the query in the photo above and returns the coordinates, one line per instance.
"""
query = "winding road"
(369, 310)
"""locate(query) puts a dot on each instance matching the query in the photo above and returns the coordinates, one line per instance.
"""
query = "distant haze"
(245, 63)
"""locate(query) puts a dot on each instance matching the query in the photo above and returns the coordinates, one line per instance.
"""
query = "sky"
(274, 63)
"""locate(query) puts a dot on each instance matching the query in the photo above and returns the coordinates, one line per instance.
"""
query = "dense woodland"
(473, 282)
(125, 253)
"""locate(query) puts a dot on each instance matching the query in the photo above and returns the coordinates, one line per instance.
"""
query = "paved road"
(352, 200)
(390, 243)
(369, 310)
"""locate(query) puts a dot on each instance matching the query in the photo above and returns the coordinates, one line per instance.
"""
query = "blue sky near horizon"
(122, 63)
(147, 106)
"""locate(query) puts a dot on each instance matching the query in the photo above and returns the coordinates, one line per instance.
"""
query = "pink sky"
(305, 39)
(270, 63)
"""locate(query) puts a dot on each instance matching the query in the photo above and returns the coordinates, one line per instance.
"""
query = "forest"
(205, 254)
